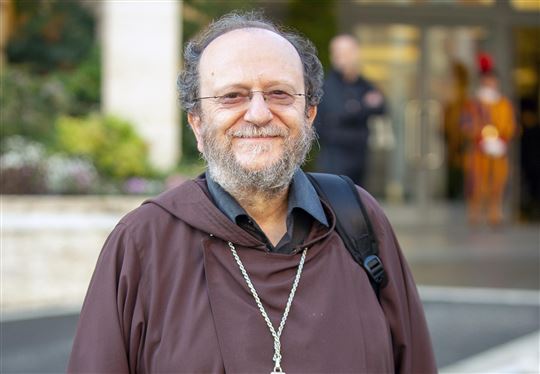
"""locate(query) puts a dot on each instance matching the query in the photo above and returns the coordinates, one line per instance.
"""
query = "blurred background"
(91, 126)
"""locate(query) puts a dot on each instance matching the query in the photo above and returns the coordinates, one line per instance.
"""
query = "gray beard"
(267, 182)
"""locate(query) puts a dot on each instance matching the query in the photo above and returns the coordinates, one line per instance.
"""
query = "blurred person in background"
(530, 158)
(342, 122)
(453, 134)
(488, 125)
(176, 288)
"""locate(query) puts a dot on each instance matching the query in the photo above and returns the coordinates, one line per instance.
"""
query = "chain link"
(275, 335)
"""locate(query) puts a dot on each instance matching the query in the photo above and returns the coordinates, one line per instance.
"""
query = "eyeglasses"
(274, 98)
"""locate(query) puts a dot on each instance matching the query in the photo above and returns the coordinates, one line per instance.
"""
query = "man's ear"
(311, 113)
(194, 121)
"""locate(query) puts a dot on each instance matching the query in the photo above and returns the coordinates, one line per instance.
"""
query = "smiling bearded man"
(241, 270)
(268, 180)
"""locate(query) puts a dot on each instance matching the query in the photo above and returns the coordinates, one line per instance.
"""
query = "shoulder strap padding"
(352, 222)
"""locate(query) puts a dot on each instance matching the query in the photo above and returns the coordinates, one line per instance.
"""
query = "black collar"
(302, 195)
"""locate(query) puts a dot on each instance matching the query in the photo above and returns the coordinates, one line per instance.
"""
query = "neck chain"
(275, 335)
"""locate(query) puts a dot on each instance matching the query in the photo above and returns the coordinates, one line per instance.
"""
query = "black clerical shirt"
(303, 208)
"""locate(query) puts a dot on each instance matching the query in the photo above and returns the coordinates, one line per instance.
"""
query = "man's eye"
(280, 97)
(231, 95)
(278, 94)
(232, 98)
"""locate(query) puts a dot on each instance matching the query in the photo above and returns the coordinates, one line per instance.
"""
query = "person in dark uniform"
(342, 122)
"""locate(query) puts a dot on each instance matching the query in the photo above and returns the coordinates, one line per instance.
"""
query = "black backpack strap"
(352, 223)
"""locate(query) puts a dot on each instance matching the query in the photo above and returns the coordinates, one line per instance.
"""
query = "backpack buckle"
(374, 268)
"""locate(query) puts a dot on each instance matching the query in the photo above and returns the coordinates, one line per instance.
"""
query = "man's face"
(490, 81)
(257, 137)
(344, 55)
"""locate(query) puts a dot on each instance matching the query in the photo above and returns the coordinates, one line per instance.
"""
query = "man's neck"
(270, 213)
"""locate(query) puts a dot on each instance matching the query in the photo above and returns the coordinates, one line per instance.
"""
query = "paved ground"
(39, 345)
(508, 258)
(443, 250)
(461, 329)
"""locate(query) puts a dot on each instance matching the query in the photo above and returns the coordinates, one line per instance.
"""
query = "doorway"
(416, 68)
(410, 51)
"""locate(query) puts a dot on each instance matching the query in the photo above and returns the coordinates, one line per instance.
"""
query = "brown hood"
(191, 203)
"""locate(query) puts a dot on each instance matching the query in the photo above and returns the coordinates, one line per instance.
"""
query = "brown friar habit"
(168, 297)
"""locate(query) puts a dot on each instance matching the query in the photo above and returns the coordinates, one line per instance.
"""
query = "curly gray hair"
(188, 80)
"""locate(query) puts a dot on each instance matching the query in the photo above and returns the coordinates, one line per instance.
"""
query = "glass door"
(425, 73)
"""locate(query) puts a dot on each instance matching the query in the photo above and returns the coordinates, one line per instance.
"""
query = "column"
(141, 49)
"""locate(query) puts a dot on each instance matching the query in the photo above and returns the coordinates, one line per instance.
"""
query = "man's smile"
(257, 138)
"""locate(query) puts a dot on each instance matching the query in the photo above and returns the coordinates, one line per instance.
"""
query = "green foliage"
(54, 68)
(80, 136)
(30, 104)
(113, 145)
(189, 143)
(317, 20)
(50, 34)
(84, 83)
(199, 13)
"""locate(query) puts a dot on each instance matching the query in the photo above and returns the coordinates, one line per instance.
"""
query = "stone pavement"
(518, 356)
(467, 322)
(500, 269)
(443, 250)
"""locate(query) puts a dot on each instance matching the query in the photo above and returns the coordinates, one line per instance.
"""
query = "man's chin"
(240, 180)
(256, 164)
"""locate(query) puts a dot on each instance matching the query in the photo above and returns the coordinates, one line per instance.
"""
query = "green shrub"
(30, 104)
(84, 84)
(50, 34)
(112, 143)
(53, 68)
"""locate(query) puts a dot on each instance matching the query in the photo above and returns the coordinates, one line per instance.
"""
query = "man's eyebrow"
(232, 86)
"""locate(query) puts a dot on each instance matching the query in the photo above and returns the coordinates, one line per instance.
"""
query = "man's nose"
(258, 112)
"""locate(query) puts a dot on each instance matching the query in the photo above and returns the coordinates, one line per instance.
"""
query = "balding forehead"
(234, 39)
(249, 54)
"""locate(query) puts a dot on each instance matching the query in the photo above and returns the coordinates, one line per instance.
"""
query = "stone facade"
(141, 61)
(50, 246)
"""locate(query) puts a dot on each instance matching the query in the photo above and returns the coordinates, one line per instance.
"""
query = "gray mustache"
(251, 131)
